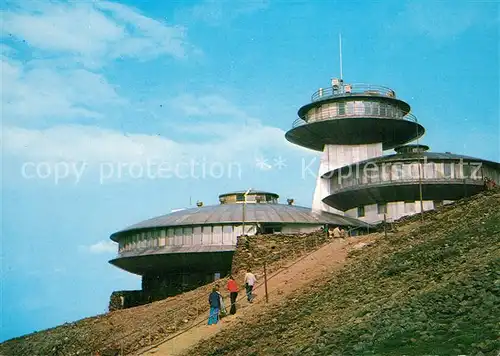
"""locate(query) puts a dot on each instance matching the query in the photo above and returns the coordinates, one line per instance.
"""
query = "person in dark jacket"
(214, 301)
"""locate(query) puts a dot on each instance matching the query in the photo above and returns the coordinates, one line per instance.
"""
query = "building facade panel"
(395, 210)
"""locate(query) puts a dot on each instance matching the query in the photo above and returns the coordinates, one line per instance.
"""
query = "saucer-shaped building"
(190, 247)
(406, 182)
(353, 125)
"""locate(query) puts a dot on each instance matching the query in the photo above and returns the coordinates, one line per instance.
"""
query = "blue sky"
(95, 92)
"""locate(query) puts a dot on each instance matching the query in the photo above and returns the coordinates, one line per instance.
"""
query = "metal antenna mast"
(340, 53)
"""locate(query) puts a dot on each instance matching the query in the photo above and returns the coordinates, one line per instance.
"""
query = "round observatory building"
(191, 247)
(406, 182)
(353, 124)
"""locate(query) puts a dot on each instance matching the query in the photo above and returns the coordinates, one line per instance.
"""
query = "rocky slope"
(428, 289)
(124, 331)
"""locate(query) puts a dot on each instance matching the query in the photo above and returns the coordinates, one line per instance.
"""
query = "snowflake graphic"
(261, 163)
(279, 162)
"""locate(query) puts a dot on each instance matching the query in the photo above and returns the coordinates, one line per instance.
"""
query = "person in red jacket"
(232, 287)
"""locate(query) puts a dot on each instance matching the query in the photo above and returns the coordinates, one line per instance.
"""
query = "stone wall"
(252, 251)
(161, 286)
(126, 299)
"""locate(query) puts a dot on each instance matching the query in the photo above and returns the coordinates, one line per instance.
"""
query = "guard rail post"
(265, 281)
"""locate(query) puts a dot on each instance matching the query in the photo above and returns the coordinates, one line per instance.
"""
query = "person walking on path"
(222, 307)
(232, 287)
(250, 280)
(214, 301)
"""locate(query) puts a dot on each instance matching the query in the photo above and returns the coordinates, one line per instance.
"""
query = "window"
(170, 236)
(197, 235)
(372, 173)
(341, 109)
(206, 235)
(163, 239)
(240, 197)
(391, 111)
(350, 108)
(359, 108)
(439, 170)
(397, 171)
(429, 171)
(386, 172)
(361, 211)
(188, 236)
(333, 109)
(178, 236)
(271, 229)
(382, 208)
(383, 110)
(217, 235)
(227, 234)
(407, 173)
(467, 169)
(409, 207)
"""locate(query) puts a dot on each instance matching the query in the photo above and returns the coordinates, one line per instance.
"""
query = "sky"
(115, 112)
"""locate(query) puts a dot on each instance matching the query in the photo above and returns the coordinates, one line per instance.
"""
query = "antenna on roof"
(340, 54)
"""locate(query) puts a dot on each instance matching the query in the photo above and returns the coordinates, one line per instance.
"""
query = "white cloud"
(237, 142)
(93, 31)
(149, 37)
(48, 104)
(41, 93)
(104, 246)
(41, 107)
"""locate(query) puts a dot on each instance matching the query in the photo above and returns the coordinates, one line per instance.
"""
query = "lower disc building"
(188, 248)
(407, 182)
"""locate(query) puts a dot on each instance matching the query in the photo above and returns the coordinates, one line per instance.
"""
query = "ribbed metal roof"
(233, 213)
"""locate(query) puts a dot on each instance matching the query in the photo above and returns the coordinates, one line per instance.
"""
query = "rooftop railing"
(362, 184)
(352, 89)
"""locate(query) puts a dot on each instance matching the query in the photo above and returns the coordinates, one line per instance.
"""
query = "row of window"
(409, 207)
(354, 108)
(405, 171)
(179, 236)
(250, 198)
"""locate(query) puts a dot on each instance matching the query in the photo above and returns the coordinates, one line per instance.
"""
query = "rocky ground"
(295, 275)
(428, 289)
(125, 331)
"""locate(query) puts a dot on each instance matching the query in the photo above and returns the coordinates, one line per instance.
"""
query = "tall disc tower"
(351, 123)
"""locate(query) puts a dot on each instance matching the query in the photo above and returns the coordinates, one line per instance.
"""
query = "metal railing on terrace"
(355, 112)
(359, 183)
(352, 89)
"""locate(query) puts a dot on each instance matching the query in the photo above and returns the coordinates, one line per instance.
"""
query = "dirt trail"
(281, 284)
